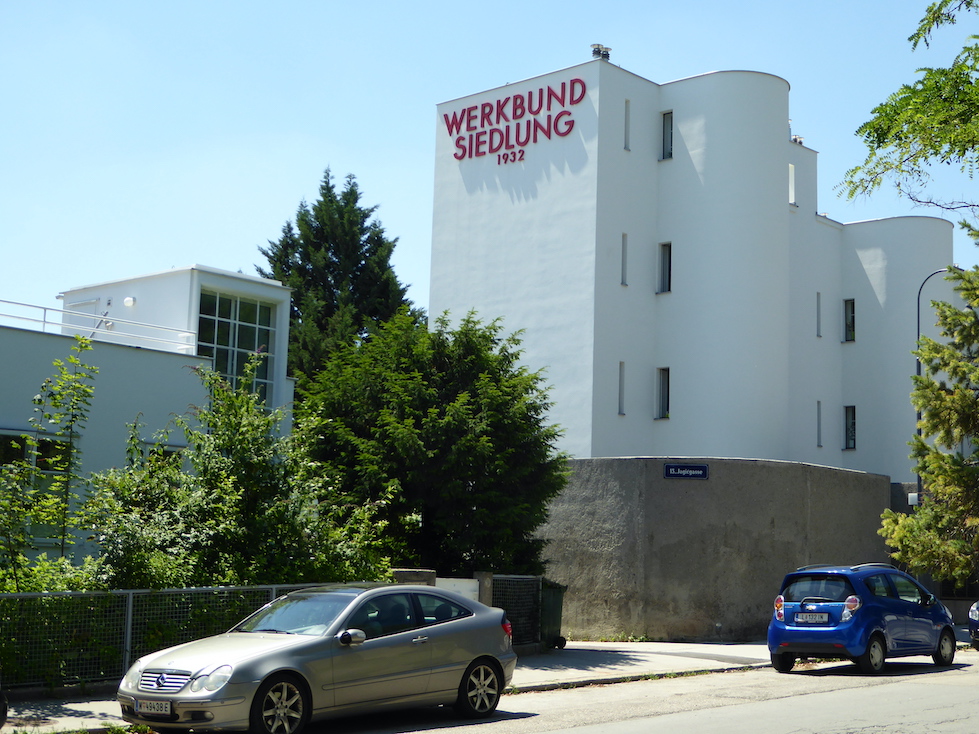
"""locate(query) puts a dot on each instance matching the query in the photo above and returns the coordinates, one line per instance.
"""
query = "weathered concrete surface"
(700, 559)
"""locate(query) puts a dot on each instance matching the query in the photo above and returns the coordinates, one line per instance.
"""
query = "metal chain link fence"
(520, 597)
(65, 638)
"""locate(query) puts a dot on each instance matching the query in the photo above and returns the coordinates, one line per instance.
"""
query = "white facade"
(660, 247)
(148, 334)
(198, 310)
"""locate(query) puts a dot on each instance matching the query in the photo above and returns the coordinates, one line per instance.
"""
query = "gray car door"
(395, 661)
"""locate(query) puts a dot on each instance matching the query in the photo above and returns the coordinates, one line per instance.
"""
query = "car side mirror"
(352, 637)
(929, 600)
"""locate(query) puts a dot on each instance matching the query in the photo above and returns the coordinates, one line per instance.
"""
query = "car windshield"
(298, 614)
(826, 587)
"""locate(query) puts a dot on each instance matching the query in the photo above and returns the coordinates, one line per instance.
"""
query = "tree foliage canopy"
(942, 536)
(449, 430)
(251, 510)
(40, 478)
(336, 258)
(932, 121)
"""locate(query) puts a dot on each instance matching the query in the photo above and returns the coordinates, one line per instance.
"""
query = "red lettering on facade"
(563, 127)
(552, 95)
(480, 143)
(454, 124)
(514, 122)
(501, 110)
(540, 102)
(519, 110)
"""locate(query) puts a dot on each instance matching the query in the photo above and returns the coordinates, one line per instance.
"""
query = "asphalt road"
(911, 696)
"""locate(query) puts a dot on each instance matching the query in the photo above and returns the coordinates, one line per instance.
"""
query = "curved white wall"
(565, 246)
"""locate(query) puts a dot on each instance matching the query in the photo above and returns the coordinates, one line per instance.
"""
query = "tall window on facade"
(850, 427)
(819, 313)
(667, 135)
(791, 184)
(625, 260)
(628, 125)
(665, 284)
(621, 388)
(663, 392)
(819, 424)
(849, 321)
(230, 329)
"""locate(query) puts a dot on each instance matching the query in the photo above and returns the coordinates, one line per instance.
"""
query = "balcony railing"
(97, 327)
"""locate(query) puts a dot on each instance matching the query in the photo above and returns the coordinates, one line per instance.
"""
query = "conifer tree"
(336, 258)
(942, 536)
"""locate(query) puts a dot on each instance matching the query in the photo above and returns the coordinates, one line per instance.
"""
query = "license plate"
(811, 617)
(157, 708)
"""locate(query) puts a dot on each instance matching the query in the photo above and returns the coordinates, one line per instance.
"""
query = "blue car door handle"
(419, 640)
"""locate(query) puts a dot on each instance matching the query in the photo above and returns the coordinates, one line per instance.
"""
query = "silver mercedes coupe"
(328, 651)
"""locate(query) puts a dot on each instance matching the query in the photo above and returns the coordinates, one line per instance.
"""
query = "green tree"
(933, 121)
(336, 258)
(449, 426)
(39, 471)
(240, 505)
(942, 535)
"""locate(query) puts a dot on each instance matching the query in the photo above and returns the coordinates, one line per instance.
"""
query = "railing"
(99, 327)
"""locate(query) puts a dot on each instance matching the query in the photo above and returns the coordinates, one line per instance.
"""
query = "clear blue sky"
(138, 136)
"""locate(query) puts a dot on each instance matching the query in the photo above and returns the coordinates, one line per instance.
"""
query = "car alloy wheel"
(945, 653)
(280, 707)
(480, 690)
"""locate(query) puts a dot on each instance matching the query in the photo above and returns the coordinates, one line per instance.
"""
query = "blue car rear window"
(828, 587)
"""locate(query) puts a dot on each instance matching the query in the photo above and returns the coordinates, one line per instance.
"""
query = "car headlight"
(132, 676)
(974, 611)
(212, 681)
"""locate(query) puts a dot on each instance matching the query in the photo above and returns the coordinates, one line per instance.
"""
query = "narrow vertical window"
(628, 124)
(625, 259)
(667, 135)
(819, 313)
(849, 427)
(819, 424)
(663, 390)
(791, 184)
(621, 388)
(665, 284)
(849, 320)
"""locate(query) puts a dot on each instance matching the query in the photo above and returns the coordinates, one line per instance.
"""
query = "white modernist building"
(148, 335)
(660, 247)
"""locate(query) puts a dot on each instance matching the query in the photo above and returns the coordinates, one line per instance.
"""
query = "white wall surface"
(756, 369)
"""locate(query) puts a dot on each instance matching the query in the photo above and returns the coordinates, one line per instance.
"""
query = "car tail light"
(852, 604)
(780, 608)
(507, 627)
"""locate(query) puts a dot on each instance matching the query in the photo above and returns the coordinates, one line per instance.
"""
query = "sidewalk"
(580, 663)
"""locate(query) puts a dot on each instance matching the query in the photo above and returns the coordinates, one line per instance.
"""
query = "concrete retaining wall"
(700, 559)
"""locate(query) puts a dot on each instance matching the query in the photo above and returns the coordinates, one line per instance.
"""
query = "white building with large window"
(148, 335)
(661, 248)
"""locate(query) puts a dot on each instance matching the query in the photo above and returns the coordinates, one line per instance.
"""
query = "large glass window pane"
(205, 331)
(209, 304)
(248, 312)
(225, 307)
(224, 334)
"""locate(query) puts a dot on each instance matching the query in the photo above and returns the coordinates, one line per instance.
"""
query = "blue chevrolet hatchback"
(865, 613)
